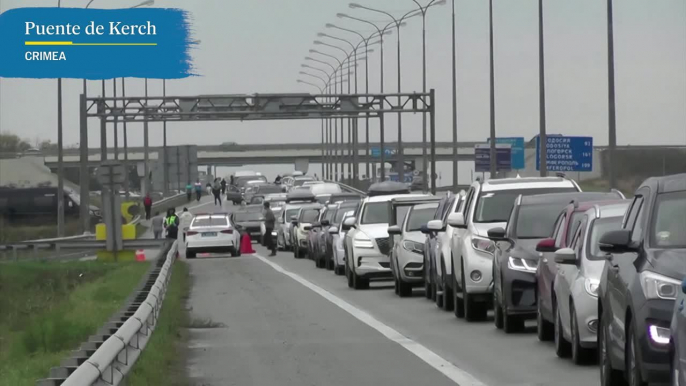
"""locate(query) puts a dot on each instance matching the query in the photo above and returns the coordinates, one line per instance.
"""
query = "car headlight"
(656, 286)
(591, 287)
(522, 265)
(273, 233)
(413, 246)
(362, 241)
(483, 245)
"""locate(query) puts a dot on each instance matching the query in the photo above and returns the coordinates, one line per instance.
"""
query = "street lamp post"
(612, 120)
(454, 107)
(423, 9)
(398, 23)
(542, 137)
(381, 32)
(493, 154)
(60, 157)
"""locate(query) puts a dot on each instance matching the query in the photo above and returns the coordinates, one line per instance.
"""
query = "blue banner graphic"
(95, 43)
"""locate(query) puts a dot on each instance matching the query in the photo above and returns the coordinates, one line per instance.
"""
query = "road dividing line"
(455, 374)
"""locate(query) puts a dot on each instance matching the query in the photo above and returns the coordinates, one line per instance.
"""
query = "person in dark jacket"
(223, 184)
(147, 203)
(269, 221)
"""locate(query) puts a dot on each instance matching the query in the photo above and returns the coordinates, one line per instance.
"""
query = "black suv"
(646, 261)
(531, 220)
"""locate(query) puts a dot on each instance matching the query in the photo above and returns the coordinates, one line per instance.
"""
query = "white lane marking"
(455, 374)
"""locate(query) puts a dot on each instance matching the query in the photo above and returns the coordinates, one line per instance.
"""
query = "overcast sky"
(251, 46)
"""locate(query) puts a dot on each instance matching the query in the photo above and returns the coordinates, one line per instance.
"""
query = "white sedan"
(212, 233)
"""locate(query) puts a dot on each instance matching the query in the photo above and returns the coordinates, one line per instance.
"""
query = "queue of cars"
(602, 275)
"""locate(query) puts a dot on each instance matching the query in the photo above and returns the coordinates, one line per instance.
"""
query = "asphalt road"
(282, 321)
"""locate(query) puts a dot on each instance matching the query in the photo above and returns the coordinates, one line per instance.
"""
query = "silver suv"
(487, 205)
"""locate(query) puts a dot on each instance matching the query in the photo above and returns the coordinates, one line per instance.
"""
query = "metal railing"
(107, 357)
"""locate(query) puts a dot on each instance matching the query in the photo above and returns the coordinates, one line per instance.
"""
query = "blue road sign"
(517, 150)
(566, 154)
(482, 157)
(376, 152)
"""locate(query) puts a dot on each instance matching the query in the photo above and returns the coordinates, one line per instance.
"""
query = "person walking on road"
(198, 190)
(189, 191)
(172, 224)
(269, 221)
(147, 204)
(216, 190)
(185, 222)
(223, 184)
(157, 225)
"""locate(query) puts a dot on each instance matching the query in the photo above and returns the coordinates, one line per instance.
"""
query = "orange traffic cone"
(140, 255)
(246, 244)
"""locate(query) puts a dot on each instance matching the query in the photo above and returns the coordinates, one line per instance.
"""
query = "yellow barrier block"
(100, 232)
(126, 255)
(128, 232)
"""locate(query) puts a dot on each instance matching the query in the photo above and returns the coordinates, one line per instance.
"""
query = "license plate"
(209, 234)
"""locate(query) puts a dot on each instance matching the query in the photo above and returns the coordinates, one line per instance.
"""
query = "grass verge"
(48, 309)
(162, 361)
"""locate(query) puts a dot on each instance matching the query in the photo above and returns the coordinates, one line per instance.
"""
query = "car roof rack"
(388, 188)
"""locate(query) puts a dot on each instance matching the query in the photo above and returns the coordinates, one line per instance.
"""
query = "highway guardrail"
(108, 356)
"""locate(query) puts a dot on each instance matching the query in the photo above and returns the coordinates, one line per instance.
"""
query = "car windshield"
(669, 222)
(536, 221)
(598, 228)
(291, 212)
(309, 215)
(419, 217)
(265, 189)
(339, 215)
(377, 213)
(496, 206)
(247, 216)
(256, 200)
(209, 222)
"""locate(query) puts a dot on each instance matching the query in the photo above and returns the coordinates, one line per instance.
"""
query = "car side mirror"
(348, 223)
(457, 220)
(425, 229)
(394, 230)
(435, 226)
(565, 256)
(307, 227)
(325, 223)
(496, 234)
(333, 230)
(617, 241)
(546, 245)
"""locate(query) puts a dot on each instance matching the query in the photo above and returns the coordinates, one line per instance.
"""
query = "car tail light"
(228, 231)
(191, 233)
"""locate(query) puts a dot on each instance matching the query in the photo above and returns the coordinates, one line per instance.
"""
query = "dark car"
(565, 226)
(233, 194)
(646, 262)
(531, 220)
(249, 220)
(431, 246)
(315, 235)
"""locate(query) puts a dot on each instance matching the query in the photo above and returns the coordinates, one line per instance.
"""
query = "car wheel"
(608, 375)
(339, 270)
(395, 286)
(296, 252)
(404, 289)
(497, 312)
(427, 288)
(440, 295)
(562, 347)
(359, 283)
(349, 276)
(511, 323)
(544, 329)
(675, 368)
(633, 365)
(458, 305)
(473, 311)
(580, 355)
(448, 301)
